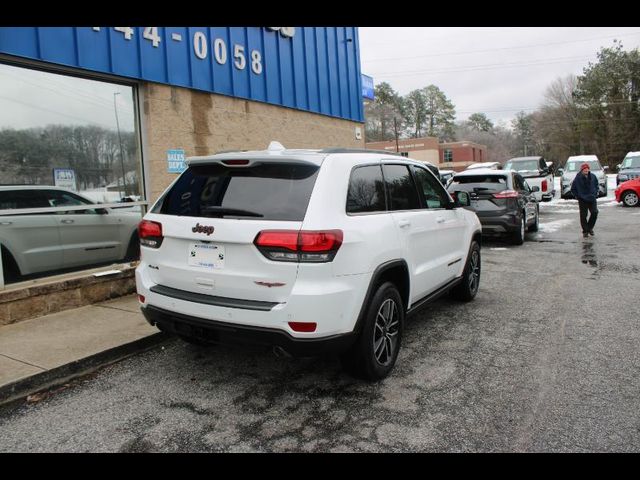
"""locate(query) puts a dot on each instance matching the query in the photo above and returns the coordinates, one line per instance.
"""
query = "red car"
(629, 193)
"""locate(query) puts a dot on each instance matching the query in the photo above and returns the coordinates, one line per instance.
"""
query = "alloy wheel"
(630, 199)
(385, 335)
(474, 271)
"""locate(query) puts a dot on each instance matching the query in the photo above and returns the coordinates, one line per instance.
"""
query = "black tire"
(468, 288)
(517, 238)
(629, 198)
(375, 352)
(10, 268)
(133, 250)
(536, 224)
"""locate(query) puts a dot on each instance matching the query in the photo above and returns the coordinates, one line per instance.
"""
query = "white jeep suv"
(306, 250)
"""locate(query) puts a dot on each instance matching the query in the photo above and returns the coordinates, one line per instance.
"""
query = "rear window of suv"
(265, 191)
(492, 183)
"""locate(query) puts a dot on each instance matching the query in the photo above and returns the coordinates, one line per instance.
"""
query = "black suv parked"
(629, 168)
(502, 199)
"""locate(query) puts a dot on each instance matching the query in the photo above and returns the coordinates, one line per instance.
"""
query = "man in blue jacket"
(585, 190)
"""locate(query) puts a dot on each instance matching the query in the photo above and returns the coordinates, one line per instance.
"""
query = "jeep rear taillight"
(305, 246)
(150, 234)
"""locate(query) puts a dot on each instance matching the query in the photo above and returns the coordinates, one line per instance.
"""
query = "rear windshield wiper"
(213, 210)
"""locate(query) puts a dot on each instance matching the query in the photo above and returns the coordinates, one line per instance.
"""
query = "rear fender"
(395, 271)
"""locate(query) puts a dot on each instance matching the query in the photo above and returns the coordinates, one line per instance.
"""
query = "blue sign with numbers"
(307, 68)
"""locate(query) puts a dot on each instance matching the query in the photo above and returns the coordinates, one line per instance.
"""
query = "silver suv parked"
(571, 169)
(310, 251)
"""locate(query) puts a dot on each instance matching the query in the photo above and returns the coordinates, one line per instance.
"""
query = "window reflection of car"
(47, 241)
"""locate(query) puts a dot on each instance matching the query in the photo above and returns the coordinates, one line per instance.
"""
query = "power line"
(109, 127)
(66, 91)
(473, 68)
(500, 49)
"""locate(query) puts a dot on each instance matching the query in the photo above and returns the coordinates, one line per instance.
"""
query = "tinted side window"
(270, 192)
(22, 199)
(402, 190)
(433, 194)
(366, 190)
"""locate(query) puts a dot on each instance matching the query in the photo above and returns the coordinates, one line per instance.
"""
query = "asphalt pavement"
(545, 359)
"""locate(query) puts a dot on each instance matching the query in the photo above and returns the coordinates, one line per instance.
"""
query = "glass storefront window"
(66, 142)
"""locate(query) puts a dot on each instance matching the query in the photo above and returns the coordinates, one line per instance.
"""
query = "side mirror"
(560, 171)
(462, 199)
(535, 188)
(606, 168)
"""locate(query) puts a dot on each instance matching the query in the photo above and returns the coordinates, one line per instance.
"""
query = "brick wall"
(202, 123)
(54, 295)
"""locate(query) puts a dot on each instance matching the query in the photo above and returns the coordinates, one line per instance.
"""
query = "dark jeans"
(588, 207)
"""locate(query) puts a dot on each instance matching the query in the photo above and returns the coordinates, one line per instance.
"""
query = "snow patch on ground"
(554, 226)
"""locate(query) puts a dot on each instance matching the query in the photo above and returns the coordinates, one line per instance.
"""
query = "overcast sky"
(32, 98)
(497, 71)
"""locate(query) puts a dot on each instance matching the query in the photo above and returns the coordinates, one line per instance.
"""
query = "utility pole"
(124, 178)
(395, 129)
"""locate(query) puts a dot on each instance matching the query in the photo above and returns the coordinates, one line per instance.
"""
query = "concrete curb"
(20, 389)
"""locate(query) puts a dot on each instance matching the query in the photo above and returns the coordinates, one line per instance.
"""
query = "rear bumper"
(495, 225)
(231, 333)
(334, 309)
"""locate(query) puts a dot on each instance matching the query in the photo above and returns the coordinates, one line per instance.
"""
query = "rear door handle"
(6, 223)
(404, 223)
(67, 221)
(440, 220)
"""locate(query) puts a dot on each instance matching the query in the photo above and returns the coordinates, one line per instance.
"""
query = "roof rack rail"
(357, 150)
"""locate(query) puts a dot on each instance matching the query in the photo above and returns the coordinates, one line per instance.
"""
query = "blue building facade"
(315, 69)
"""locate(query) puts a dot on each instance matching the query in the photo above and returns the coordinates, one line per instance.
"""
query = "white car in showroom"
(49, 241)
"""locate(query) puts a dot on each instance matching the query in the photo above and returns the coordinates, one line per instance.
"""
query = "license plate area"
(206, 256)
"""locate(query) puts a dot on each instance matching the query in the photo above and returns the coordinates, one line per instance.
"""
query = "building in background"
(446, 156)
(118, 109)
(423, 149)
(459, 155)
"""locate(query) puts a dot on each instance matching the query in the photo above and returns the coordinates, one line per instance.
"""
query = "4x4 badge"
(202, 229)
